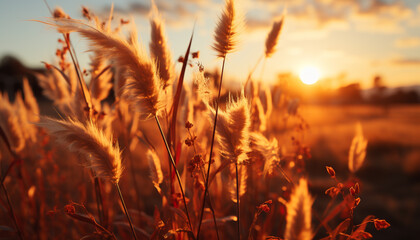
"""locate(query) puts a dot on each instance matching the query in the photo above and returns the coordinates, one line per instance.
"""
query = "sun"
(309, 75)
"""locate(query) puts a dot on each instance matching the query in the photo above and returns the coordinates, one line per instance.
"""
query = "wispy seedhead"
(357, 152)
(142, 85)
(204, 92)
(273, 37)
(233, 130)
(54, 86)
(9, 124)
(28, 131)
(159, 49)
(155, 168)
(268, 149)
(227, 30)
(30, 102)
(90, 142)
(258, 119)
(298, 226)
(101, 76)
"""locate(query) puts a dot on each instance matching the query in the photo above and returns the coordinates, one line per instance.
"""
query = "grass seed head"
(227, 30)
(299, 207)
(91, 143)
(273, 37)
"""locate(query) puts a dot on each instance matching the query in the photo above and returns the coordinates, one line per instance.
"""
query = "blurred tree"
(350, 94)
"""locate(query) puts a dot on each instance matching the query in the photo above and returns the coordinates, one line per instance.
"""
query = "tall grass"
(201, 165)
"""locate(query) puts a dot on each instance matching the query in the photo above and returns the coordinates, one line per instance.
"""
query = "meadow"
(132, 149)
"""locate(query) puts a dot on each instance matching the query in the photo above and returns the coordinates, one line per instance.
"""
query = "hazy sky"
(354, 39)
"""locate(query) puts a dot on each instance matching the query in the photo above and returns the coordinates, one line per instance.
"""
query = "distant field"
(390, 175)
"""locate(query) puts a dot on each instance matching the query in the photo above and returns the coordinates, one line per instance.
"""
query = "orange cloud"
(408, 42)
(373, 15)
(406, 61)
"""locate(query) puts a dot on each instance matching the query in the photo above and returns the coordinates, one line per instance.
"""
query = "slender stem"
(286, 176)
(237, 202)
(176, 172)
(262, 69)
(253, 69)
(99, 202)
(211, 209)
(77, 68)
(12, 213)
(208, 193)
(211, 149)
(126, 211)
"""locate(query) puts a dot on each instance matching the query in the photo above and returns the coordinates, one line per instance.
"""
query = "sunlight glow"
(309, 75)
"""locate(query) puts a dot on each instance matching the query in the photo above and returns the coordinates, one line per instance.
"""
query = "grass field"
(391, 172)
(164, 158)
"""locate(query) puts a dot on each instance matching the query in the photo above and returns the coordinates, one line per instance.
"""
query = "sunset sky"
(347, 40)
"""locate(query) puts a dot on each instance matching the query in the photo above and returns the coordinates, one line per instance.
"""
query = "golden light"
(309, 75)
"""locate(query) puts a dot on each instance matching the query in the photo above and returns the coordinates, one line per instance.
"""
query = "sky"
(347, 40)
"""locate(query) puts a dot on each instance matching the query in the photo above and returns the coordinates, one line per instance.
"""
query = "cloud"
(363, 15)
(408, 42)
(414, 21)
(366, 15)
(175, 13)
(382, 16)
(406, 61)
(253, 24)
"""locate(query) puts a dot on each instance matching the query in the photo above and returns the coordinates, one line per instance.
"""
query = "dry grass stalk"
(30, 102)
(233, 130)
(203, 89)
(91, 143)
(243, 177)
(357, 153)
(299, 207)
(258, 119)
(101, 76)
(142, 85)
(273, 37)
(268, 149)
(28, 131)
(9, 123)
(159, 49)
(155, 169)
(54, 86)
(227, 30)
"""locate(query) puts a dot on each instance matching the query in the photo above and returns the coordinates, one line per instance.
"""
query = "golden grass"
(179, 183)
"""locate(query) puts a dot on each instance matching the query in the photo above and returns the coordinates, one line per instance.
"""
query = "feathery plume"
(101, 76)
(142, 85)
(357, 152)
(155, 169)
(119, 78)
(90, 143)
(258, 119)
(54, 86)
(159, 49)
(233, 130)
(227, 30)
(267, 149)
(204, 92)
(28, 131)
(298, 226)
(30, 102)
(272, 37)
(9, 124)
(266, 100)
